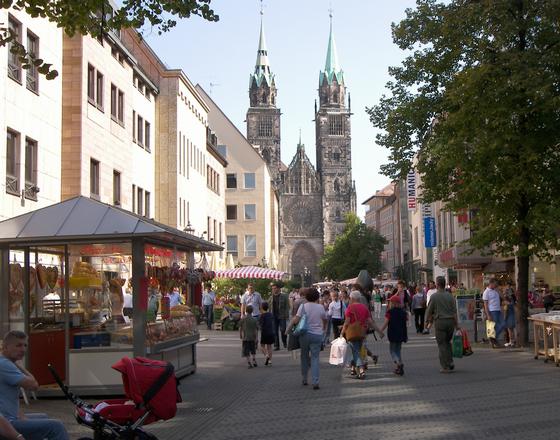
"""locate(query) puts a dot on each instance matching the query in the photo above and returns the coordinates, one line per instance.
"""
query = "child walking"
(266, 324)
(395, 321)
(248, 328)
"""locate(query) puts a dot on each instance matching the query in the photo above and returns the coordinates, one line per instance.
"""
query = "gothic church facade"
(313, 201)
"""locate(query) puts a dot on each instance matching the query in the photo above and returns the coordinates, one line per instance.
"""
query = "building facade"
(30, 118)
(313, 201)
(251, 225)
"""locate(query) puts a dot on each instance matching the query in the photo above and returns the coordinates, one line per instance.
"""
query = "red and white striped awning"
(250, 272)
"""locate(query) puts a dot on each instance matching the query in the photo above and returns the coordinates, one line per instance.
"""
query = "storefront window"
(168, 317)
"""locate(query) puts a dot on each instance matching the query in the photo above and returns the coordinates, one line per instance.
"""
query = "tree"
(357, 248)
(478, 102)
(96, 17)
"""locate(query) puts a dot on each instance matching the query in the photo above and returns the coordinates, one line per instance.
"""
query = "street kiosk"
(88, 282)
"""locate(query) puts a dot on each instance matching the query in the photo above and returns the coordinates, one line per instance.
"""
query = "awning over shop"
(499, 267)
(83, 218)
(248, 272)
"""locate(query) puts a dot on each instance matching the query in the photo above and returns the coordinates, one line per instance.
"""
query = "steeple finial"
(300, 136)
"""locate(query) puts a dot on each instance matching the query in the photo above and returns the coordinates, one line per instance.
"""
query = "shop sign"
(102, 249)
(430, 239)
(447, 257)
(426, 210)
(157, 251)
(411, 189)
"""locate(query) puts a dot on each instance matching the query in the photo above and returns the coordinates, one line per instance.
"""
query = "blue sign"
(430, 239)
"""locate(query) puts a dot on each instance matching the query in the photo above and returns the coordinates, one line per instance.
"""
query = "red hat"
(395, 298)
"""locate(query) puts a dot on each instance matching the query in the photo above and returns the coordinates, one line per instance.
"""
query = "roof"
(332, 68)
(262, 66)
(83, 218)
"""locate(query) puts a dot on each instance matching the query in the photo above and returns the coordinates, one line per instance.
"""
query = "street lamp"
(305, 277)
(188, 229)
(264, 262)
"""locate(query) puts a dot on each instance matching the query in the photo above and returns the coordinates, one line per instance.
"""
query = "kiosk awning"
(83, 218)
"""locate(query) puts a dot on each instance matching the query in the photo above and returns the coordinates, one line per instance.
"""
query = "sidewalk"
(494, 394)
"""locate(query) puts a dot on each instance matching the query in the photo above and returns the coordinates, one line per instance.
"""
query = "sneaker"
(304, 383)
(316, 386)
(452, 367)
(255, 364)
(267, 361)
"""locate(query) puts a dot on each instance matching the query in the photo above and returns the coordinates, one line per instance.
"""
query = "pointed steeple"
(332, 68)
(262, 66)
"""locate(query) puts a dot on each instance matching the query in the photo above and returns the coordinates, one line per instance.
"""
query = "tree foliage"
(357, 248)
(478, 100)
(95, 17)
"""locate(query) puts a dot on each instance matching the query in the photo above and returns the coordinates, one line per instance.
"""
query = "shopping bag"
(457, 344)
(467, 349)
(293, 342)
(338, 351)
(490, 329)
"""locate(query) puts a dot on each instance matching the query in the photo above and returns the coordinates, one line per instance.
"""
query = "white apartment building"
(252, 234)
(189, 171)
(30, 118)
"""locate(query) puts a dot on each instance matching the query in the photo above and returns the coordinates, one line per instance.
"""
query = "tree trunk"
(523, 288)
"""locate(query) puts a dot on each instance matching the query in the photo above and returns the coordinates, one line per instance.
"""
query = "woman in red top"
(357, 311)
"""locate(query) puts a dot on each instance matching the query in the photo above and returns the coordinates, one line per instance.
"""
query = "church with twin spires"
(313, 202)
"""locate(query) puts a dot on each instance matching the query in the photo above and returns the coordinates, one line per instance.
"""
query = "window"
(140, 131)
(264, 128)
(232, 245)
(32, 75)
(14, 64)
(250, 180)
(147, 204)
(416, 242)
(133, 125)
(113, 101)
(222, 149)
(94, 178)
(91, 84)
(336, 155)
(116, 188)
(336, 125)
(147, 135)
(133, 198)
(231, 181)
(140, 201)
(250, 245)
(231, 212)
(12, 162)
(120, 107)
(99, 91)
(251, 211)
(30, 169)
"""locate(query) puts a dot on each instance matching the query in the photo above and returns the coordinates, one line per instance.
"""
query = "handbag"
(490, 329)
(467, 349)
(354, 331)
(458, 344)
(293, 342)
(301, 327)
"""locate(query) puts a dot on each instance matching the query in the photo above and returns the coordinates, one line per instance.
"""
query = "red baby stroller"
(151, 394)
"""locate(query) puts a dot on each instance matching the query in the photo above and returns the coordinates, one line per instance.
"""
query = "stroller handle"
(68, 394)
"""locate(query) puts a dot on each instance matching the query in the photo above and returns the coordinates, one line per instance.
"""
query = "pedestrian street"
(494, 394)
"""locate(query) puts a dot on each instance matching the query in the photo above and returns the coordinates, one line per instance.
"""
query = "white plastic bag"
(339, 347)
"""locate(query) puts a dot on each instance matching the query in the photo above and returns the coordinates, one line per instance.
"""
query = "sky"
(221, 55)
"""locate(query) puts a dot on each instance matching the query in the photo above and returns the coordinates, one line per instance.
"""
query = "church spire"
(262, 66)
(332, 68)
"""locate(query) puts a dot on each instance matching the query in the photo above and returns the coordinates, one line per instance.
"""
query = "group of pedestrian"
(499, 309)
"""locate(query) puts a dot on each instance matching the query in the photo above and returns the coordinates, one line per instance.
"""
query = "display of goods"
(41, 276)
(16, 275)
(176, 314)
(84, 275)
(32, 278)
(181, 307)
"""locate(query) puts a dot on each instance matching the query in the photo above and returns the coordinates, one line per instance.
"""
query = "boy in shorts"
(248, 333)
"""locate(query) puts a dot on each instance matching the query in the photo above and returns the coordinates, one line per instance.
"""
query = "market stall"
(251, 272)
(91, 283)
(546, 334)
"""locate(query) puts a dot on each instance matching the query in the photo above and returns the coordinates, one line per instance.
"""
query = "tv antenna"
(212, 85)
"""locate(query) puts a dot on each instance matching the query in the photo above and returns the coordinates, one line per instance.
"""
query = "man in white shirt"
(493, 310)
(431, 290)
(250, 297)
(208, 300)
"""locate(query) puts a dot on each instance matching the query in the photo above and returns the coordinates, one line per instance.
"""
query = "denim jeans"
(279, 332)
(310, 349)
(499, 321)
(356, 349)
(395, 350)
(35, 427)
(209, 313)
(327, 332)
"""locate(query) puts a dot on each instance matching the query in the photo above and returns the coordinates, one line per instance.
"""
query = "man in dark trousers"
(280, 312)
(442, 313)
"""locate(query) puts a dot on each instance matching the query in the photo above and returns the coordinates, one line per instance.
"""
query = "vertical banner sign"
(411, 189)
(429, 226)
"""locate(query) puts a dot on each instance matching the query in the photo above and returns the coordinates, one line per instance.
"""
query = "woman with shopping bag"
(357, 321)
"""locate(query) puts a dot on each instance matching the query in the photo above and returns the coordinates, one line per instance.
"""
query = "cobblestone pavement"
(494, 394)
